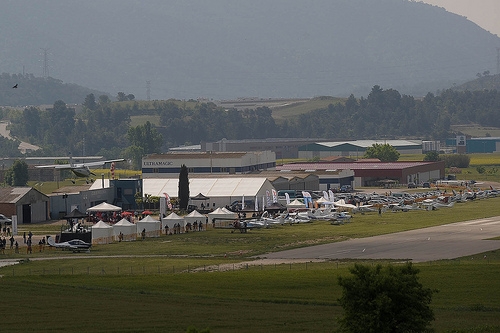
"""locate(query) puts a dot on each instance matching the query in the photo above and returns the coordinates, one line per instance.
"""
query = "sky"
(485, 13)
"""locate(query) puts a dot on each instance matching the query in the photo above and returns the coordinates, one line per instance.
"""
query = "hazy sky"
(485, 13)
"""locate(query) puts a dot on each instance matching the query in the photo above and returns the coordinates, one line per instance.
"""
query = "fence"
(23, 269)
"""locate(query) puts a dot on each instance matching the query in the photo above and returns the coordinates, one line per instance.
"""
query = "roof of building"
(13, 194)
(197, 155)
(369, 143)
(361, 144)
(352, 166)
(211, 187)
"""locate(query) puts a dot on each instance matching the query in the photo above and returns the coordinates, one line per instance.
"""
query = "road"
(448, 241)
(23, 146)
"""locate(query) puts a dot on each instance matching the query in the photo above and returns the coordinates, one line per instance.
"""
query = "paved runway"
(442, 242)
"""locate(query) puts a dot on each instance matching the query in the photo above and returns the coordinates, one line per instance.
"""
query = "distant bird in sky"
(15, 86)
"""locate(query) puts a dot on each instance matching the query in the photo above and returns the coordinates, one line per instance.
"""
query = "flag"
(275, 195)
(332, 197)
(167, 197)
(287, 197)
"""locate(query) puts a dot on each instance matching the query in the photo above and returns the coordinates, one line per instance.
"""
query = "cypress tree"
(183, 188)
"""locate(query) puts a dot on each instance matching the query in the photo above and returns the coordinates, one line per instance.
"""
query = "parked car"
(412, 185)
(346, 188)
(5, 220)
(426, 185)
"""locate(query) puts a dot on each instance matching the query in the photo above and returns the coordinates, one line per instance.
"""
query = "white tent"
(102, 233)
(221, 214)
(129, 230)
(296, 204)
(195, 216)
(170, 220)
(150, 226)
(221, 191)
(104, 207)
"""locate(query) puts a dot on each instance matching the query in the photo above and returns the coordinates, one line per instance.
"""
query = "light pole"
(65, 197)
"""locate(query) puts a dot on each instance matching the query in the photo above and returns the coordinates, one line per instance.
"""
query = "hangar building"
(355, 148)
(226, 163)
(370, 173)
(29, 204)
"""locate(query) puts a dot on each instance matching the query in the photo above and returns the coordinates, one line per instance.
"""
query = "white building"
(221, 191)
(221, 163)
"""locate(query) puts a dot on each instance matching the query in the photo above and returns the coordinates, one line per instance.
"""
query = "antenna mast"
(45, 63)
(498, 60)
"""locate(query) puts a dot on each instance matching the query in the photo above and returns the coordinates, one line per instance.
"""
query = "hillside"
(33, 90)
(483, 82)
(223, 49)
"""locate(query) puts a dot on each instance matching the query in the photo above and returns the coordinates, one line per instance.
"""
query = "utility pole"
(148, 90)
(45, 63)
(498, 60)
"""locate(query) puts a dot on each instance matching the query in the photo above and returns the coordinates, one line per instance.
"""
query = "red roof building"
(371, 173)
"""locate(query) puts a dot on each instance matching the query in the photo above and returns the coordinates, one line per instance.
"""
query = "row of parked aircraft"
(339, 211)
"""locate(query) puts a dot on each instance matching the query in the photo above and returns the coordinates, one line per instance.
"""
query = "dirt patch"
(257, 262)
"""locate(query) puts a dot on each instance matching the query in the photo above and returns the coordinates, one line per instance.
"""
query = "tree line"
(103, 127)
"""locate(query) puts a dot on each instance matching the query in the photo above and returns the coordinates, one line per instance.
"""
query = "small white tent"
(150, 226)
(170, 220)
(221, 214)
(129, 230)
(102, 233)
(193, 217)
(296, 204)
(104, 207)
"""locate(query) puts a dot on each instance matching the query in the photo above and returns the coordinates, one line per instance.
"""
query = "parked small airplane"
(81, 170)
(75, 245)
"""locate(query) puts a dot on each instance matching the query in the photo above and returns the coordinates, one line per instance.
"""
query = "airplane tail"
(71, 160)
(50, 241)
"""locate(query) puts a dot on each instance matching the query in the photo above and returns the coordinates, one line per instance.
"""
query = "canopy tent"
(150, 226)
(341, 203)
(200, 196)
(296, 204)
(129, 230)
(323, 201)
(104, 207)
(102, 233)
(75, 214)
(194, 216)
(170, 220)
(221, 214)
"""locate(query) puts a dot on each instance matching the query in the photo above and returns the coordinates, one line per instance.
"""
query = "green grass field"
(297, 109)
(173, 282)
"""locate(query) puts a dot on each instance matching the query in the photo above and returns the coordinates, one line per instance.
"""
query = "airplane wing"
(58, 166)
(100, 163)
(79, 165)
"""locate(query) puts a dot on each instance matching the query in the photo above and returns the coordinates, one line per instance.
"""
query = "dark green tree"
(384, 152)
(121, 97)
(386, 299)
(145, 136)
(134, 153)
(183, 194)
(456, 160)
(17, 174)
(431, 156)
(90, 102)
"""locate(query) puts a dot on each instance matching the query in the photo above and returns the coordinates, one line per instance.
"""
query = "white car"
(5, 220)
